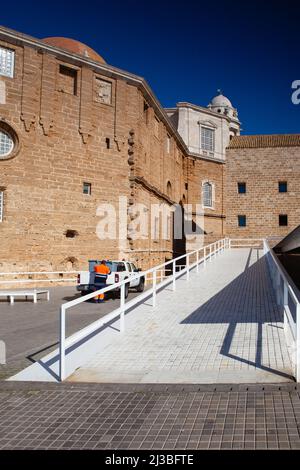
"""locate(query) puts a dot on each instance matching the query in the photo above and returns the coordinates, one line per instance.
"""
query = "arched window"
(169, 189)
(6, 144)
(9, 143)
(207, 194)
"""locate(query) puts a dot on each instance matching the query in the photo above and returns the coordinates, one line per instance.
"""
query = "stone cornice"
(195, 107)
(214, 216)
(104, 69)
(196, 156)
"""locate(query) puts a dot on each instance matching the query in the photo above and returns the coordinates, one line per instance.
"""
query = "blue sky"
(187, 50)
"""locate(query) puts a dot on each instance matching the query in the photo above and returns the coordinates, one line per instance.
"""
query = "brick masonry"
(67, 137)
(262, 169)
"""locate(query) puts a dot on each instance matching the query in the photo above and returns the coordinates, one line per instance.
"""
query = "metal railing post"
(154, 290)
(197, 261)
(277, 284)
(285, 295)
(174, 275)
(62, 347)
(204, 256)
(210, 253)
(264, 247)
(298, 343)
(187, 267)
(285, 304)
(122, 307)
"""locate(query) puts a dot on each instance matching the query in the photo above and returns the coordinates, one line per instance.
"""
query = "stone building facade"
(83, 134)
(77, 134)
(206, 132)
(262, 196)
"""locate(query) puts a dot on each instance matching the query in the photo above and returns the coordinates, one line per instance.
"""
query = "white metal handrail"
(209, 251)
(284, 291)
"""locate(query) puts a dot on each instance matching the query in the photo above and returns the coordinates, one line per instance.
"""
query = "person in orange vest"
(101, 273)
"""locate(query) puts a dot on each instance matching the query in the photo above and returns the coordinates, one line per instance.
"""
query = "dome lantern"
(222, 105)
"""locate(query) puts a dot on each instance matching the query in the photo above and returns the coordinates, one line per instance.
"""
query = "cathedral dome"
(221, 100)
(76, 47)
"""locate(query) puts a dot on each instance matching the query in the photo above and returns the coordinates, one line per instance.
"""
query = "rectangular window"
(207, 195)
(282, 186)
(7, 58)
(242, 221)
(87, 188)
(67, 81)
(1, 205)
(283, 220)
(207, 139)
(241, 188)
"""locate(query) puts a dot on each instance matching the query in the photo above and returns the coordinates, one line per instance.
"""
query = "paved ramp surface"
(223, 326)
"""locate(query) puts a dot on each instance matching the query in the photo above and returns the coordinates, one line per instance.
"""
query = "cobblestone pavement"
(94, 416)
(223, 326)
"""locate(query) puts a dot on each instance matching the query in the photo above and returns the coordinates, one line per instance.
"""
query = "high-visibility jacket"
(101, 269)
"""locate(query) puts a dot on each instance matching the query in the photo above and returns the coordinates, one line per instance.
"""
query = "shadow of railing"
(249, 298)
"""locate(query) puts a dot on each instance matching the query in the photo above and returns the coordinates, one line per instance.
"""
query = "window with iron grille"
(6, 144)
(1, 205)
(6, 62)
(207, 194)
(207, 139)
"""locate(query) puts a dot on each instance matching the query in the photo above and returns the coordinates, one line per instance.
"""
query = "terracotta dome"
(74, 46)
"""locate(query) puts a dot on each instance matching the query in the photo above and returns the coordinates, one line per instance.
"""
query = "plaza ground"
(221, 326)
(229, 328)
(97, 416)
(31, 330)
